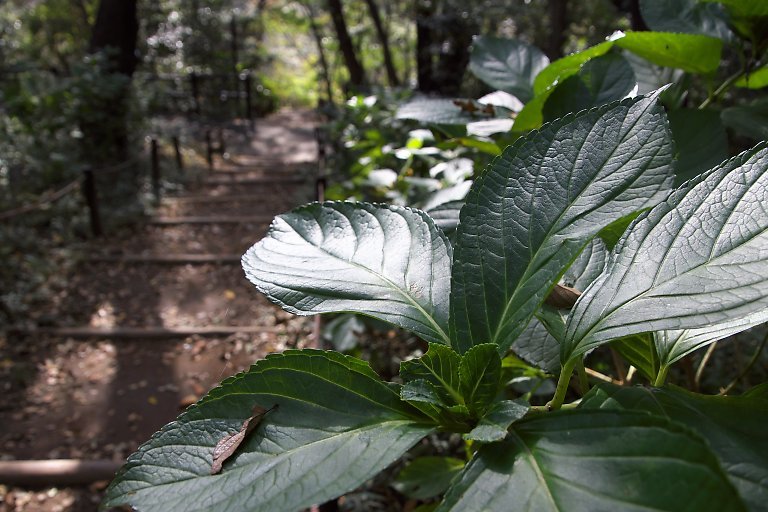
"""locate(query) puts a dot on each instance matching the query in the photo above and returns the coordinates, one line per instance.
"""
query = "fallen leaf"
(229, 443)
(562, 297)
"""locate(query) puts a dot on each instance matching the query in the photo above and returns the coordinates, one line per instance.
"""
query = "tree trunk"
(318, 37)
(104, 120)
(424, 42)
(355, 68)
(558, 22)
(384, 41)
(116, 27)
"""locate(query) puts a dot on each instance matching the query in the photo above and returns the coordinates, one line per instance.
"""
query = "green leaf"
(687, 16)
(569, 65)
(689, 52)
(734, 428)
(507, 64)
(440, 367)
(532, 115)
(529, 215)
(337, 424)
(700, 139)
(599, 81)
(697, 261)
(427, 477)
(388, 262)
(594, 460)
(436, 111)
(480, 377)
(612, 233)
(640, 352)
(536, 344)
(446, 215)
(538, 347)
(494, 424)
(343, 332)
(757, 79)
(421, 390)
(750, 120)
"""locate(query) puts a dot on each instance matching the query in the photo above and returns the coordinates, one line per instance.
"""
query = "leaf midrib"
(549, 235)
(408, 298)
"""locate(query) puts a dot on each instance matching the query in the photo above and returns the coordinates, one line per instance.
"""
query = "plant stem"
(747, 368)
(703, 364)
(661, 376)
(582, 373)
(720, 90)
(562, 385)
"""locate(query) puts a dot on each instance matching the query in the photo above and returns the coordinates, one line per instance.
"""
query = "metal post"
(222, 146)
(209, 149)
(92, 199)
(155, 167)
(177, 153)
(195, 92)
(248, 99)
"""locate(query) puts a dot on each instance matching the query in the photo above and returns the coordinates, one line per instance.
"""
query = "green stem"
(720, 90)
(582, 373)
(562, 385)
(661, 376)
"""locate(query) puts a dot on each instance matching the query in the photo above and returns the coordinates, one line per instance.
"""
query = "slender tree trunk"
(355, 68)
(117, 27)
(424, 42)
(384, 40)
(318, 37)
(558, 22)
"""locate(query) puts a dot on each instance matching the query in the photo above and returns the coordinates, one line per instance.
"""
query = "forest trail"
(155, 317)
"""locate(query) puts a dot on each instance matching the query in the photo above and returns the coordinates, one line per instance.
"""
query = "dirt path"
(152, 301)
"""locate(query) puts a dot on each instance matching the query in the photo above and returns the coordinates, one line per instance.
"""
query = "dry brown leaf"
(562, 297)
(229, 443)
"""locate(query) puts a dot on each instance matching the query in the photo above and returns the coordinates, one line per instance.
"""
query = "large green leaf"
(689, 52)
(480, 377)
(688, 16)
(535, 344)
(601, 80)
(698, 261)
(426, 477)
(493, 425)
(439, 367)
(594, 461)
(388, 262)
(734, 427)
(700, 139)
(569, 65)
(336, 426)
(540, 203)
(436, 111)
(750, 120)
(757, 79)
(507, 64)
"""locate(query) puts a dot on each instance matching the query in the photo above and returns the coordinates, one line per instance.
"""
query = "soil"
(99, 398)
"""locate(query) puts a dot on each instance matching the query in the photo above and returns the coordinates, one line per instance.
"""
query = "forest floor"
(143, 307)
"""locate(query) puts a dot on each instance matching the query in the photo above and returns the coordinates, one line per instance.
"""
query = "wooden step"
(271, 180)
(165, 258)
(141, 333)
(213, 219)
(226, 198)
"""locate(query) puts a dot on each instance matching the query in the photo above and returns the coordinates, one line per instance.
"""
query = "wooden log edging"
(171, 259)
(56, 471)
(139, 333)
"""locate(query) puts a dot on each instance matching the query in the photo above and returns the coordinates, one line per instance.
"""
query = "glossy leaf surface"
(734, 427)
(697, 261)
(538, 205)
(337, 424)
(388, 262)
(594, 460)
(507, 64)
